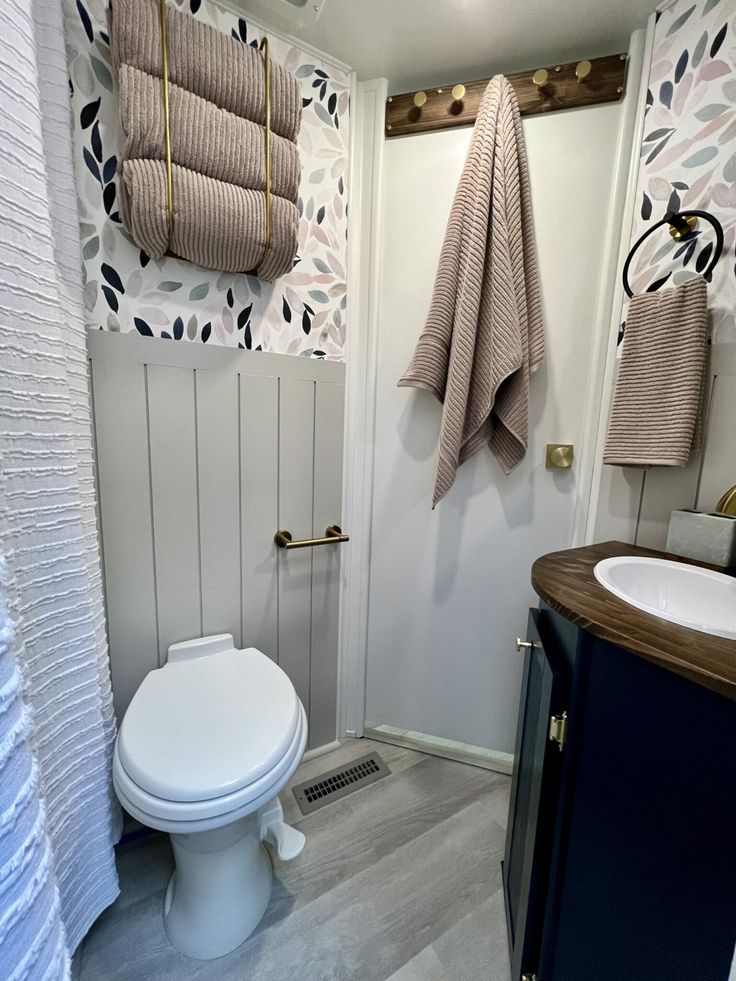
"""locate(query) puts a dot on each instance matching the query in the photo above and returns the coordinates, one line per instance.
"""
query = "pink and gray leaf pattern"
(688, 154)
(303, 313)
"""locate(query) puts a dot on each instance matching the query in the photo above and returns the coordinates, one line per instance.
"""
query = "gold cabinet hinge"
(558, 729)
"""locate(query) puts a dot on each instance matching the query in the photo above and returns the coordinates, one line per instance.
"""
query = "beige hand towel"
(212, 141)
(217, 225)
(204, 61)
(484, 333)
(659, 388)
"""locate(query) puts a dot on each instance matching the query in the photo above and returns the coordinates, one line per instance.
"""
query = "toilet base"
(220, 888)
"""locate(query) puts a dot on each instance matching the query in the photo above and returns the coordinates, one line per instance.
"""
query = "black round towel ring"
(677, 218)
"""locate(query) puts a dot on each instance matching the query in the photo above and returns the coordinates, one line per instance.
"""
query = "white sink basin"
(684, 594)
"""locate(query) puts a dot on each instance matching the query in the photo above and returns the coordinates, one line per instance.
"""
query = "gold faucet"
(727, 504)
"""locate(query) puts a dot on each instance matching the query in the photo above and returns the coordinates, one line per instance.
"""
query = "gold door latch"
(558, 729)
(524, 645)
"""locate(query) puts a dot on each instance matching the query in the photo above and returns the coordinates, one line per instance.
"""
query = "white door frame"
(368, 100)
(364, 254)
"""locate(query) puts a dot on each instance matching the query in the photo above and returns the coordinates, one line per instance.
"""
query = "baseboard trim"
(312, 754)
(489, 759)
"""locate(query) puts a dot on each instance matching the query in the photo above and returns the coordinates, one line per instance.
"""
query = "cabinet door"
(534, 795)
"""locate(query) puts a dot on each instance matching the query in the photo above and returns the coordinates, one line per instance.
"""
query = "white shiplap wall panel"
(259, 468)
(121, 437)
(173, 441)
(296, 495)
(328, 451)
(218, 486)
(202, 455)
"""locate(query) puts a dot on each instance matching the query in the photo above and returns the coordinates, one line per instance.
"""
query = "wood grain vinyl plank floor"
(399, 880)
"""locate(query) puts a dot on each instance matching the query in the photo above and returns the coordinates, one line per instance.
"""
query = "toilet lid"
(202, 728)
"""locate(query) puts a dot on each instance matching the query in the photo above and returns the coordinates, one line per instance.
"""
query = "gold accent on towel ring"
(684, 227)
(167, 123)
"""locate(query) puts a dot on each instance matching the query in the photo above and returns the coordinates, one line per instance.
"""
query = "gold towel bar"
(167, 122)
(333, 535)
(165, 85)
(267, 121)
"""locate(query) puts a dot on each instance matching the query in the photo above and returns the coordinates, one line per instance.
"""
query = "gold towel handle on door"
(333, 535)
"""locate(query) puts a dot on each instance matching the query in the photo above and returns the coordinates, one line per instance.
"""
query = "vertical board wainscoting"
(202, 455)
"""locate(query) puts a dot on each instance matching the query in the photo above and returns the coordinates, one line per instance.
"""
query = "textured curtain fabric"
(31, 934)
(48, 531)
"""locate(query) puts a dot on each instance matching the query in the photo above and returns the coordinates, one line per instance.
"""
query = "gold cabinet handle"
(524, 645)
(333, 536)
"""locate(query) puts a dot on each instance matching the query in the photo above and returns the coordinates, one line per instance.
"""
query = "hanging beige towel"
(217, 225)
(212, 141)
(205, 61)
(484, 333)
(660, 379)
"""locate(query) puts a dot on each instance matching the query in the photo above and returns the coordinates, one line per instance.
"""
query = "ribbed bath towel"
(484, 334)
(659, 390)
(204, 61)
(205, 138)
(217, 225)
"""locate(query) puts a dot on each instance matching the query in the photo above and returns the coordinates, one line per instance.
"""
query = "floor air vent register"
(337, 783)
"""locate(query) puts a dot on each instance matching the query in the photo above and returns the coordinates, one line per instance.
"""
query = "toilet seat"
(207, 739)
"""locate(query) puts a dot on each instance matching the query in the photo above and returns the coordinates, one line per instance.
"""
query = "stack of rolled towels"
(217, 127)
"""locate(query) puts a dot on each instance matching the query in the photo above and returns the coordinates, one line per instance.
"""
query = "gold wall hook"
(419, 99)
(458, 92)
(540, 77)
(582, 70)
(559, 456)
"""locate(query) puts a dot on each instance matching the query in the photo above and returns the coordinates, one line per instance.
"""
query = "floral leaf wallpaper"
(303, 313)
(688, 154)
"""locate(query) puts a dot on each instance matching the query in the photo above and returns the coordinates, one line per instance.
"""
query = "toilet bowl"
(205, 746)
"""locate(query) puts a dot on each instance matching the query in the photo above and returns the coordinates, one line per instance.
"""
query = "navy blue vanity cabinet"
(629, 853)
(534, 792)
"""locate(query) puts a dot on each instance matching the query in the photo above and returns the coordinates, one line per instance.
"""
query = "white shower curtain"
(48, 531)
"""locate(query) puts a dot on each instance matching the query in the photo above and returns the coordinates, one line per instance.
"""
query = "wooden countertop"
(565, 581)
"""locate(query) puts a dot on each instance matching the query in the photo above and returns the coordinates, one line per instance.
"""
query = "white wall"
(449, 590)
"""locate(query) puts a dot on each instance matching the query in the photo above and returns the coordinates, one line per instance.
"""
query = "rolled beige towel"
(212, 141)
(217, 225)
(206, 62)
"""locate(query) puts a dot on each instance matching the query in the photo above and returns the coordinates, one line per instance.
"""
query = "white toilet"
(204, 749)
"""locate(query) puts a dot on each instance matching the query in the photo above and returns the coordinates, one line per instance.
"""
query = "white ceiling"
(431, 42)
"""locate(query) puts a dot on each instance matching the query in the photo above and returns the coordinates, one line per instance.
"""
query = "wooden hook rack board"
(604, 83)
